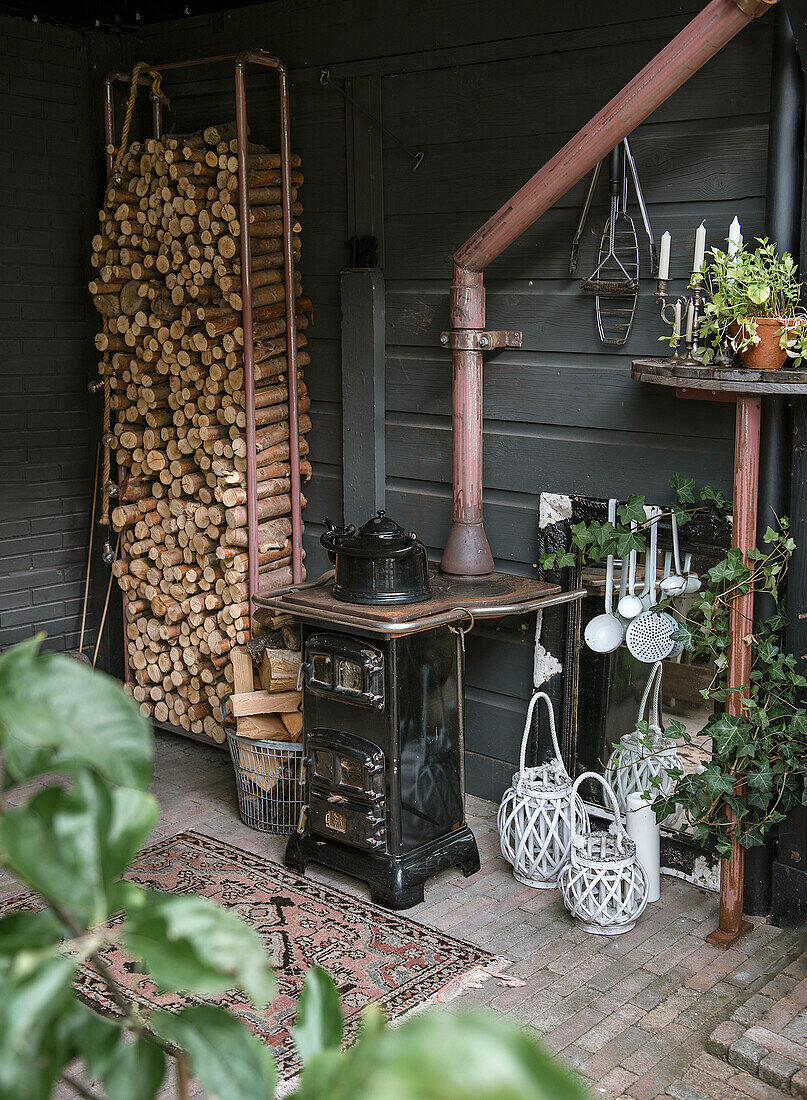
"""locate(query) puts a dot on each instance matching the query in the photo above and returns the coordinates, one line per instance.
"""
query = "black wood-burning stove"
(383, 757)
(383, 729)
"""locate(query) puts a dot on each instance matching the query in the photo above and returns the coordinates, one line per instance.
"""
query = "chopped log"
(264, 702)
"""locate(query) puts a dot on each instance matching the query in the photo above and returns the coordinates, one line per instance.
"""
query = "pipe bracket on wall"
(480, 340)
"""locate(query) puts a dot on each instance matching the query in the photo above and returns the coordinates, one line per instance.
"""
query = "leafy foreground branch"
(766, 745)
(85, 742)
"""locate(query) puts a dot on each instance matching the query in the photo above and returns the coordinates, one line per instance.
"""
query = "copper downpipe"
(467, 552)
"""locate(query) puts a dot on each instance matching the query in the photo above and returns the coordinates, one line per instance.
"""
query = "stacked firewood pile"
(168, 288)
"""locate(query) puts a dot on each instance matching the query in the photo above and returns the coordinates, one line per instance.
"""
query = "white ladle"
(674, 584)
(630, 605)
(649, 591)
(604, 633)
(692, 579)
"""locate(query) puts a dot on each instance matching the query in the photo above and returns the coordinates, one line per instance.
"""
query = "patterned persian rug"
(371, 954)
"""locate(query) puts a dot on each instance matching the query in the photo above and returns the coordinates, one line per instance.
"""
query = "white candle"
(664, 256)
(677, 325)
(700, 249)
(690, 319)
(735, 237)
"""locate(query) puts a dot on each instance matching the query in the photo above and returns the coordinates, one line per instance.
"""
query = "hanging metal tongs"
(585, 209)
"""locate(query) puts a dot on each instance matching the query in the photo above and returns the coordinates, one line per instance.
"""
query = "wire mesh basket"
(269, 778)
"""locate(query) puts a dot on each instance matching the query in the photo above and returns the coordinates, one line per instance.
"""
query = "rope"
(107, 471)
(156, 91)
(89, 552)
(106, 608)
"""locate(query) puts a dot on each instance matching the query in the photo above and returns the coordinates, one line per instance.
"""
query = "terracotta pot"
(766, 355)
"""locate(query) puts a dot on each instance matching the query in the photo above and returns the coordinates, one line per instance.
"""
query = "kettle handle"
(333, 536)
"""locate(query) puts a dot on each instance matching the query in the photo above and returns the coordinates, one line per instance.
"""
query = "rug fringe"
(475, 979)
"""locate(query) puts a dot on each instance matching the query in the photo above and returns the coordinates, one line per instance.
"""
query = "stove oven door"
(346, 779)
(353, 823)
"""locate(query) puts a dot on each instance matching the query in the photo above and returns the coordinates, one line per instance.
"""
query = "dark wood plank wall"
(562, 414)
(487, 110)
(49, 425)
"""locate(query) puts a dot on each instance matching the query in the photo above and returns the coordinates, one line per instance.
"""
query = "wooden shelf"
(660, 372)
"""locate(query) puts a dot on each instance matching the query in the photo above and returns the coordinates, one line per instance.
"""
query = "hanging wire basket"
(604, 886)
(640, 763)
(269, 779)
(535, 815)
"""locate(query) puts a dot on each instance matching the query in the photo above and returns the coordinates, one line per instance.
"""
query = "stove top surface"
(497, 593)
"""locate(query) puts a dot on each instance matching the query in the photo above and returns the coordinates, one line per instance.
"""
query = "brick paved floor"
(631, 1013)
(767, 1035)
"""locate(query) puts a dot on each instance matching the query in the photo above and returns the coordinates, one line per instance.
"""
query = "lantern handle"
(528, 726)
(606, 786)
(653, 685)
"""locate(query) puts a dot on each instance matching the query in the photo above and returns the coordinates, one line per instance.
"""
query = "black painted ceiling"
(85, 14)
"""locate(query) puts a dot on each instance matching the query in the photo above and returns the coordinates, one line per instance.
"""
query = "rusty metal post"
(260, 57)
(249, 341)
(467, 550)
(741, 624)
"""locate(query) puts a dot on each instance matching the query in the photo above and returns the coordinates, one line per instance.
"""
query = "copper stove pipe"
(467, 552)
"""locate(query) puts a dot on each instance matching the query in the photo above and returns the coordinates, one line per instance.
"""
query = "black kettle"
(378, 564)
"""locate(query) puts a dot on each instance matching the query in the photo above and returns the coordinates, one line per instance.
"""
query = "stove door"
(343, 819)
(346, 669)
(347, 765)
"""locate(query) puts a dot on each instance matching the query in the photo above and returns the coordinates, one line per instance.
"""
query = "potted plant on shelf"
(753, 307)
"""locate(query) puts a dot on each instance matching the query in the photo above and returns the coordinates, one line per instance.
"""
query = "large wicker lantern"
(604, 886)
(535, 815)
(642, 762)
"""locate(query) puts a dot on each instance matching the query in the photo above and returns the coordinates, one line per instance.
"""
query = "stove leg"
(294, 858)
(470, 864)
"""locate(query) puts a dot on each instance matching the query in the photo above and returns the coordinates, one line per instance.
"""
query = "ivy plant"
(744, 286)
(75, 765)
(766, 745)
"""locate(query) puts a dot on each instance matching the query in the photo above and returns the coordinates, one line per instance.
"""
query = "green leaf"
(71, 846)
(229, 1061)
(135, 1070)
(55, 711)
(632, 511)
(319, 1023)
(90, 1037)
(189, 943)
(439, 1056)
(29, 932)
(684, 488)
(36, 990)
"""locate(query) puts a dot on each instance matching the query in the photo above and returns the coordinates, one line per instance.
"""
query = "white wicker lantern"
(535, 815)
(604, 886)
(640, 762)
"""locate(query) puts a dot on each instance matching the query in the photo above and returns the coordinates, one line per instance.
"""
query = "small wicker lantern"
(535, 815)
(640, 763)
(603, 884)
